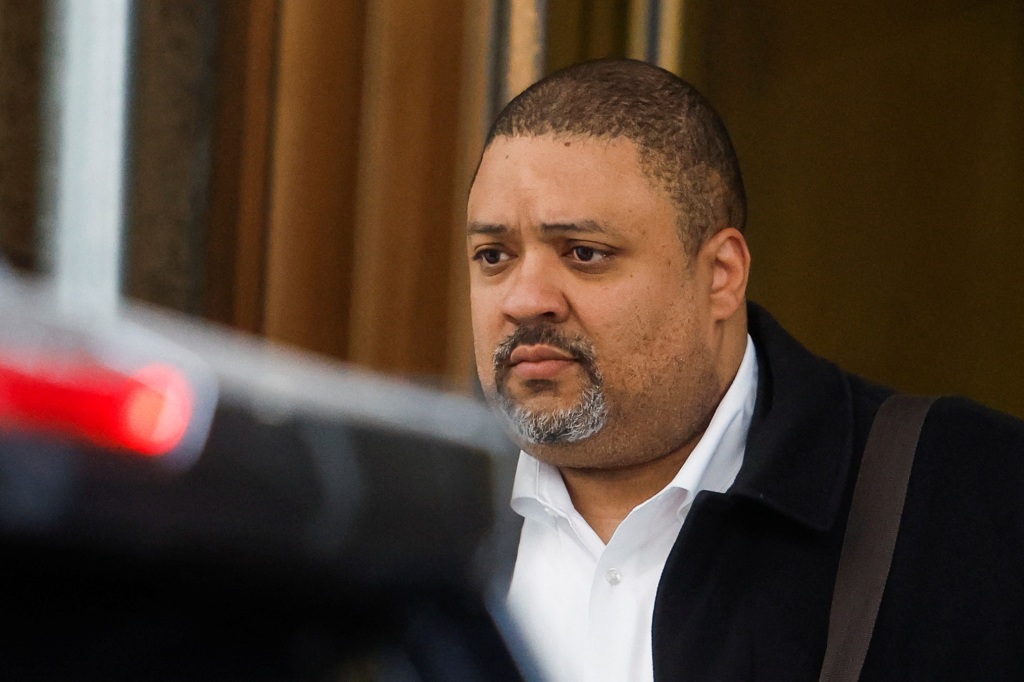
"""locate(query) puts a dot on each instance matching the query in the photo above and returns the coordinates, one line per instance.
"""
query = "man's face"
(590, 322)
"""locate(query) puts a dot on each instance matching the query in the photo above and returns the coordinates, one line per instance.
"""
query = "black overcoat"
(746, 590)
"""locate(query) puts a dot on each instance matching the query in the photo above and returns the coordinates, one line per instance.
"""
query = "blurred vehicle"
(179, 502)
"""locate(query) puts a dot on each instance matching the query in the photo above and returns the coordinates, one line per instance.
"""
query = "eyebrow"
(473, 227)
(580, 227)
(576, 227)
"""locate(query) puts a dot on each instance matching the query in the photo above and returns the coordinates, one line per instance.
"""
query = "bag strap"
(871, 531)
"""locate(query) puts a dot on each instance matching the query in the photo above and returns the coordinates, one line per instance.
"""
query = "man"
(687, 467)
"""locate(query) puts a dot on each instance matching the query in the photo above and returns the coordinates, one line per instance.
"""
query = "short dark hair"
(683, 144)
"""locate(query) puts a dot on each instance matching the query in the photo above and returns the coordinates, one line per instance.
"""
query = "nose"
(535, 292)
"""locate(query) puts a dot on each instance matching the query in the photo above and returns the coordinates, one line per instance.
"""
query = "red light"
(147, 412)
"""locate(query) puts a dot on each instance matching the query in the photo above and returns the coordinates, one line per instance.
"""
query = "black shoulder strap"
(871, 534)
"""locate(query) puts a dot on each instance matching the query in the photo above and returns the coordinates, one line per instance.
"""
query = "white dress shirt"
(586, 607)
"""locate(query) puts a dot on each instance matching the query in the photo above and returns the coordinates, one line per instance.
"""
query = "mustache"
(578, 347)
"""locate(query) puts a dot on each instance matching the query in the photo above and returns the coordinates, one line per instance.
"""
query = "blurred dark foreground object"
(316, 523)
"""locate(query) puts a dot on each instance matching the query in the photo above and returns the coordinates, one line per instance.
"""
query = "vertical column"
(236, 238)
(83, 206)
(526, 21)
(168, 189)
(670, 35)
(656, 32)
(21, 67)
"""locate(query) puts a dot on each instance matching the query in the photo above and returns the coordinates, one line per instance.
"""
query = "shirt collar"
(539, 491)
(718, 455)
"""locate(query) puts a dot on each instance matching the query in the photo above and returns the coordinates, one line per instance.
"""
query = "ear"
(728, 258)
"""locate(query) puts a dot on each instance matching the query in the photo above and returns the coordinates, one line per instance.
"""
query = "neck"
(604, 497)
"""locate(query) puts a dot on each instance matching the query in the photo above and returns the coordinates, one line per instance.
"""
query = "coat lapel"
(799, 449)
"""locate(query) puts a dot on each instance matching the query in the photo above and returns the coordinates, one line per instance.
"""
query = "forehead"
(561, 177)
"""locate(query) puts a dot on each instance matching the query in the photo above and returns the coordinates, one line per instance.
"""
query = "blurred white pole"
(85, 151)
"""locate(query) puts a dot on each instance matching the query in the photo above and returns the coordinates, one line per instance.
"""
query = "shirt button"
(613, 576)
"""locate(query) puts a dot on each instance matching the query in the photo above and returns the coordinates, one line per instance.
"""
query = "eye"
(490, 256)
(591, 255)
(584, 253)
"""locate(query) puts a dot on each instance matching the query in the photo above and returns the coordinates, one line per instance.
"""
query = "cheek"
(642, 313)
(484, 341)
(644, 334)
(484, 365)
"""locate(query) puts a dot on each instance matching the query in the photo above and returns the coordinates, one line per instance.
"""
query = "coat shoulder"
(969, 437)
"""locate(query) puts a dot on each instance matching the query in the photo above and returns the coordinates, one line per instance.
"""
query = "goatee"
(568, 425)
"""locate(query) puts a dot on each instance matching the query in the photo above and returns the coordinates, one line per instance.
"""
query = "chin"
(589, 453)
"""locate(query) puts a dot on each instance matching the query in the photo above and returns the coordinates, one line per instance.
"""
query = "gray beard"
(570, 425)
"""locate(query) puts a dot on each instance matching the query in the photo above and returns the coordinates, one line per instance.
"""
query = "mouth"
(538, 357)
(539, 361)
(539, 353)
